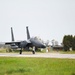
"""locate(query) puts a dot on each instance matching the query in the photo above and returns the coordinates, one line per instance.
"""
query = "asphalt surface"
(44, 55)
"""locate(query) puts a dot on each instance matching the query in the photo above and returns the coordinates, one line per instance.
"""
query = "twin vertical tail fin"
(28, 35)
(12, 35)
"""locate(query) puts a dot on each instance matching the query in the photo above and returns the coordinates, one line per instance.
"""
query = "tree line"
(69, 42)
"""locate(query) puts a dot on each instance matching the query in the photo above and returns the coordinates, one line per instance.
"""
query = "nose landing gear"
(33, 50)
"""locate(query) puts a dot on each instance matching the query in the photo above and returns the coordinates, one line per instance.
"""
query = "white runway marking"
(45, 55)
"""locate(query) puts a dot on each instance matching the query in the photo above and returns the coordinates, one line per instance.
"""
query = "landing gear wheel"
(33, 52)
(21, 51)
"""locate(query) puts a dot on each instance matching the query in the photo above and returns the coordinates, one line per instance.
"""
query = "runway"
(43, 55)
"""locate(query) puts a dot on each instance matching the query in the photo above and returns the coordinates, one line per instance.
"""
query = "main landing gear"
(21, 51)
(33, 51)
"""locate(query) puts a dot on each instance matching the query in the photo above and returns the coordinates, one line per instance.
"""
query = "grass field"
(36, 66)
(44, 51)
(67, 52)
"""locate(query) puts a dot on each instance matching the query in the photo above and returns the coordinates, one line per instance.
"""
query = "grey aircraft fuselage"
(31, 42)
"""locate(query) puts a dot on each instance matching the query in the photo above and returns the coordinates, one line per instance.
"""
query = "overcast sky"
(48, 19)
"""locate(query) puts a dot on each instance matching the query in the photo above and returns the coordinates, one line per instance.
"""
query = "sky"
(47, 19)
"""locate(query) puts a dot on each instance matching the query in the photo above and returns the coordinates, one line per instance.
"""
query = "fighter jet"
(33, 42)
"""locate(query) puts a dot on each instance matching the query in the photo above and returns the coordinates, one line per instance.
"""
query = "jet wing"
(19, 43)
(15, 42)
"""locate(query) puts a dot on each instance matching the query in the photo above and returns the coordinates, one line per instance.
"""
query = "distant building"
(57, 47)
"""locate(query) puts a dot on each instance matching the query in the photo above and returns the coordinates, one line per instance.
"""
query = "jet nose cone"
(43, 46)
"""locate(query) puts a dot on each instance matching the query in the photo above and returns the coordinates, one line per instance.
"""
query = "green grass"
(44, 51)
(36, 66)
(2, 50)
(62, 52)
(67, 52)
